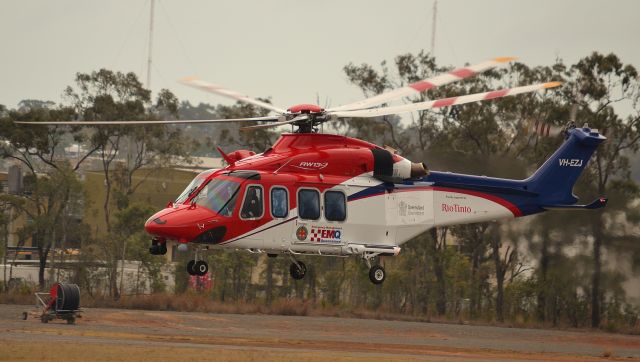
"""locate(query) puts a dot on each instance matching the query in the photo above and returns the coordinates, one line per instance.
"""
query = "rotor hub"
(305, 108)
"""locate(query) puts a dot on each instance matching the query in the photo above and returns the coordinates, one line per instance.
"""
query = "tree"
(39, 150)
(597, 84)
(45, 205)
(105, 95)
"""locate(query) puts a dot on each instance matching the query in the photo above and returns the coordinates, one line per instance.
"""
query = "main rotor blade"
(214, 88)
(543, 129)
(426, 84)
(301, 117)
(445, 102)
(133, 123)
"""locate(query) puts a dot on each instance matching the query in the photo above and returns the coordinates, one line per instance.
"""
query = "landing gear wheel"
(71, 320)
(44, 318)
(162, 249)
(377, 274)
(298, 270)
(190, 267)
(201, 267)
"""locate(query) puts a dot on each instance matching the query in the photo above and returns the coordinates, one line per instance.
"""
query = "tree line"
(555, 268)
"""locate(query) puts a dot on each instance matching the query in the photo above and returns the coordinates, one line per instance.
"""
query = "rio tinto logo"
(456, 208)
(309, 165)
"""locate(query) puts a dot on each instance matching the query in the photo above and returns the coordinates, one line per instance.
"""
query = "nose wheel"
(198, 268)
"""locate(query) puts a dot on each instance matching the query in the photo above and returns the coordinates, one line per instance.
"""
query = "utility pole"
(150, 45)
(433, 28)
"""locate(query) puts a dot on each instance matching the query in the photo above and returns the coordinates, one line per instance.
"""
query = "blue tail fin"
(554, 180)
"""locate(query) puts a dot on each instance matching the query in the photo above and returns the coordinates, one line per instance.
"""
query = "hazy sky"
(291, 51)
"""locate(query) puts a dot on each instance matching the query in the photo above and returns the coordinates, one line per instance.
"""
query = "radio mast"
(433, 28)
(150, 45)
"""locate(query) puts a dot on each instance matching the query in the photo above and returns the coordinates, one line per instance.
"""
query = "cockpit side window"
(219, 196)
(253, 205)
(193, 186)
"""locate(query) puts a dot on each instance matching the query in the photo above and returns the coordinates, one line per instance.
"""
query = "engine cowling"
(391, 167)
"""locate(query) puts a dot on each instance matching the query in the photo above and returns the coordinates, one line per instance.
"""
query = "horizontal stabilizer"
(595, 204)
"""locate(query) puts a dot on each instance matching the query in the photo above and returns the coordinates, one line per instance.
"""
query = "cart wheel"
(71, 320)
(44, 318)
(24, 316)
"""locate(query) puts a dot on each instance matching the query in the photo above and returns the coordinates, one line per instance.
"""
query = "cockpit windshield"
(219, 196)
(193, 186)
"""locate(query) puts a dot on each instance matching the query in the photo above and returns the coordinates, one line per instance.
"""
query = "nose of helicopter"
(181, 223)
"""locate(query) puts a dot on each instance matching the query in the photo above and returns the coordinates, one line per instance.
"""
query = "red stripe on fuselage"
(238, 234)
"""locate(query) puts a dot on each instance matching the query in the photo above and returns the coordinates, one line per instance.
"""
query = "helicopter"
(313, 193)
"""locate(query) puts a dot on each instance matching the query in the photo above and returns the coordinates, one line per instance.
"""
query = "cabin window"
(335, 206)
(309, 204)
(252, 206)
(279, 202)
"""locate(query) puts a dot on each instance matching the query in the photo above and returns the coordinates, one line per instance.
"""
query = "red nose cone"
(184, 222)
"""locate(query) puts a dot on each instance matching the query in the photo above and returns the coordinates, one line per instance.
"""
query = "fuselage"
(318, 193)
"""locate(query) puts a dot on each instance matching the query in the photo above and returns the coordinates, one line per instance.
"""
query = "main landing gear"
(297, 270)
(377, 274)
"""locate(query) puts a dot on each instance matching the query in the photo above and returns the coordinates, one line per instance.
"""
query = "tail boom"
(460, 199)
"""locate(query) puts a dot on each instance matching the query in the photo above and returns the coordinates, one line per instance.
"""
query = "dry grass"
(16, 298)
(193, 302)
(200, 303)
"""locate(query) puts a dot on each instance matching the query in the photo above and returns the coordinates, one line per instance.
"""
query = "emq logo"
(325, 235)
(573, 162)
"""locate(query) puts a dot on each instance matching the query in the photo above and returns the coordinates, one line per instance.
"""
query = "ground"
(115, 334)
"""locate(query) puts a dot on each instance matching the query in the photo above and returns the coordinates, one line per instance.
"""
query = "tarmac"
(269, 337)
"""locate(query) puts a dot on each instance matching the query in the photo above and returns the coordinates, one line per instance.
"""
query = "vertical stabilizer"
(554, 180)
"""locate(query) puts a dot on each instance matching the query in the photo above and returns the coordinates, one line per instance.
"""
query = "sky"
(290, 51)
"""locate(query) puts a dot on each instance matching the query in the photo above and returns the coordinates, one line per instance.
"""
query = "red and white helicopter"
(322, 194)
